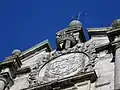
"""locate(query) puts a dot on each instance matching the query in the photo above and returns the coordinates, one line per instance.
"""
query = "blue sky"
(24, 23)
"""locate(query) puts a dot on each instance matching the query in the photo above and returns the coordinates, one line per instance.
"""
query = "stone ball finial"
(75, 23)
(116, 23)
(16, 52)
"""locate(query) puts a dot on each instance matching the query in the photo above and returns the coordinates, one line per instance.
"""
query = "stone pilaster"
(117, 67)
(114, 38)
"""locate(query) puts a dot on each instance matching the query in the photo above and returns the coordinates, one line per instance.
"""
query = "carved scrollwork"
(33, 78)
(63, 66)
(87, 48)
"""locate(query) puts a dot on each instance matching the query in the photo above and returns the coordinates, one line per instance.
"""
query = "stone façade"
(75, 64)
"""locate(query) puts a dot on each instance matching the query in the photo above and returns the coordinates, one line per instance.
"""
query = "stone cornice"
(113, 37)
(62, 30)
(70, 29)
(23, 70)
(98, 31)
(102, 47)
(66, 82)
(6, 64)
(43, 45)
(113, 31)
(12, 63)
(38, 47)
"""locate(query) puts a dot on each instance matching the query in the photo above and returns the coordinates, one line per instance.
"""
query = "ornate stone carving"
(33, 78)
(64, 66)
(62, 37)
(55, 70)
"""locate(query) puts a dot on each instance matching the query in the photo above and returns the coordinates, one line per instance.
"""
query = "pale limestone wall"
(105, 72)
(21, 81)
(104, 67)
(31, 60)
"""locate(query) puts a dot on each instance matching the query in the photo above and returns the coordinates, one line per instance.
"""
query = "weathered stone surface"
(117, 68)
(2, 85)
(76, 64)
